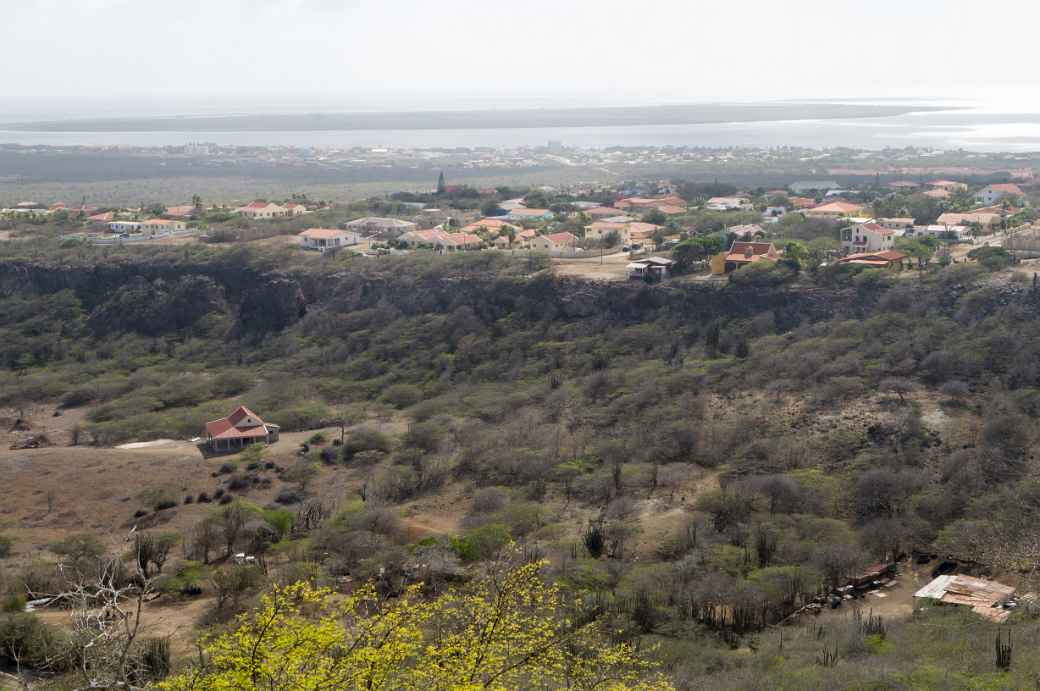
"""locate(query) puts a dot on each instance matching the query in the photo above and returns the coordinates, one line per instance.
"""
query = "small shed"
(985, 597)
(651, 268)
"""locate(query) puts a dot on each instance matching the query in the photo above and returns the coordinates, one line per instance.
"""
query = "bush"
(364, 439)
(290, 495)
(481, 543)
(402, 395)
(6, 542)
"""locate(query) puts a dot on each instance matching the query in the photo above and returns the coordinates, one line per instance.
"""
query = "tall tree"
(441, 187)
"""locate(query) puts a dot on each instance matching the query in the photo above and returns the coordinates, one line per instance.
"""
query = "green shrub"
(481, 543)
(402, 395)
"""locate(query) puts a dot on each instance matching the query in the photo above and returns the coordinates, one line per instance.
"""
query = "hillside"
(695, 462)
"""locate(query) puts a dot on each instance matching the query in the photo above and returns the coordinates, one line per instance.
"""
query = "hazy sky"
(63, 58)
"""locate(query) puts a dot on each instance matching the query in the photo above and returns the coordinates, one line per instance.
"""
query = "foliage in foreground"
(509, 630)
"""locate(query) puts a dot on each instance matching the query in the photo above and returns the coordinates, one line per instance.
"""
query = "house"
(747, 232)
(454, 242)
(294, 209)
(599, 230)
(421, 238)
(491, 226)
(938, 230)
(938, 193)
(650, 269)
(728, 204)
(803, 186)
(159, 226)
(948, 185)
(991, 194)
(124, 227)
(524, 237)
(900, 223)
(744, 253)
(641, 232)
(601, 212)
(529, 215)
(985, 220)
(104, 217)
(674, 203)
(867, 237)
(183, 211)
(838, 209)
(326, 239)
(441, 240)
(387, 228)
(238, 430)
(889, 259)
(801, 202)
(554, 242)
(773, 214)
(261, 210)
(986, 598)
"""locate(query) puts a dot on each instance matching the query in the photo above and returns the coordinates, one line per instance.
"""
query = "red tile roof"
(243, 423)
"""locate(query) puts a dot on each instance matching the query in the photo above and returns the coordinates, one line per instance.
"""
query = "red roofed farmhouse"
(238, 430)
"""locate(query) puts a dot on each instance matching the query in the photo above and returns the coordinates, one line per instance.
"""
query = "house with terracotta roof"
(181, 211)
(986, 220)
(328, 239)
(554, 242)
(838, 209)
(672, 202)
(938, 193)
(868, 237)
(601, 212)
(991, 194)
(261, 210)
(744, 253)
(294, 209)
(598, 230)
(492, 226)
(238, 430)
(889, 259)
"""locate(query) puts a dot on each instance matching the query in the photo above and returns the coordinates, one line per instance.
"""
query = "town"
(647, 230)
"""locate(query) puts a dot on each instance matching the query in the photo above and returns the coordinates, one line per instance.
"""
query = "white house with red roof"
(262, 210)
(238, 430)
(868, 237)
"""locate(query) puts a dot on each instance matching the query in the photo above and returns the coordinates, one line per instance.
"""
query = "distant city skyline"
(161, 57)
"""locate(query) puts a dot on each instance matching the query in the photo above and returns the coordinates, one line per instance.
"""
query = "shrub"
(402, 395)
(290, 495)
(6, 542)
(481, 543)
(364, 439)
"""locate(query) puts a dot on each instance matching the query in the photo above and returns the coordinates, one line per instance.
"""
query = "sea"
(977, 128)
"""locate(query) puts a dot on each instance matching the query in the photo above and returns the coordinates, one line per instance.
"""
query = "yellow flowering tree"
(506, 631)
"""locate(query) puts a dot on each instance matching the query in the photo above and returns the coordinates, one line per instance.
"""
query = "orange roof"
(836, 208)
(1007, 188)
(242, 423)
(939, 193)
(744, 252)
(462, 239)
(322, 233)
(880, 230)
(601, 211)
(874, 258)
(562, 238)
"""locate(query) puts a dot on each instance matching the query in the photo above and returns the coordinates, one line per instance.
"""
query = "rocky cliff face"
(264, 302)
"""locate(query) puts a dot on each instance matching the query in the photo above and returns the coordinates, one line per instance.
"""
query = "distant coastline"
(484, 119)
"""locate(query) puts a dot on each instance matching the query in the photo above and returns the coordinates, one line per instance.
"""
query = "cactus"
(1003, 650)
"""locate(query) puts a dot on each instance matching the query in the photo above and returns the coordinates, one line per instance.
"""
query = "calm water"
(972, 130)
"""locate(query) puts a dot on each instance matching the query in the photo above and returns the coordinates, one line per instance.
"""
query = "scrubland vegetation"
(668, 473)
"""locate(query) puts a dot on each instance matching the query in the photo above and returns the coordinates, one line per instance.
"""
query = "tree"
(441, 187)
(506, 631)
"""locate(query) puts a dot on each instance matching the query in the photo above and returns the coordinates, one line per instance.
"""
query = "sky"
(80, 58)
